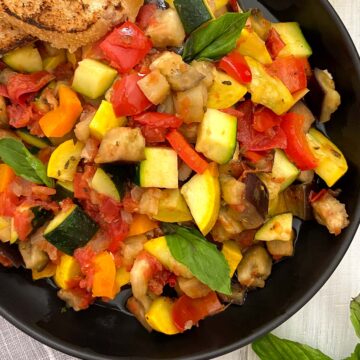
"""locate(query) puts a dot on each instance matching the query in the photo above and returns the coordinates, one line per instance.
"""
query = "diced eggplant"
(121, 144)
(254, 268)
(73, 299)
(193, 288)
(323, 99)
(237, 297)
(306, 176)
(207, 69)
(279, 249)
(259, 24)
(167, 106)
(330, 212)
(229, 222)
(161, 4)
(11, 252)
(4, 120)
(166, 29)
(219, 234)
(190, 132)
(301, 109)
(155, 87)
(138, 311)
(34, 258)
(297, 200)
(232, 190)
(257, 194)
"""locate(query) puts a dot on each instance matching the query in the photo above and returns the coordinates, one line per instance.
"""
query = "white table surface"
(323, 323)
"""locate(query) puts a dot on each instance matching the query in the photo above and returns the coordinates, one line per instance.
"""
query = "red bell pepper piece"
(186, 152)
(187, 312)
(265, 119)
(291, 71)
(126, 46)
(156, 119)
(274, 43)
(146, 13)
(127, 97)
(297, 149)
(254, 156)
(235, 65)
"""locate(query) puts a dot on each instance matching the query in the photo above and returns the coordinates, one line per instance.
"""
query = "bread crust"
(67, 24)
(11, 38)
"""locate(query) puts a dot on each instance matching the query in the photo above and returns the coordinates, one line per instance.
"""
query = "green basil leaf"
(215, 39)
(204, 260)
(270, 347)
(355, 314)
(18, 157)
(356, 354)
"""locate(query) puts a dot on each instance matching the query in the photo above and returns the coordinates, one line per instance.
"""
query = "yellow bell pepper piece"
(159, 249)
(220, 3)
(52, 62)
(225, 91)
(122, 278)
(49, 271)
(13, 234)
(64, 161)
(104, 276)
(250, 44)
(67, 270)
(268, 90)
(232, 253)
(61, 120)
(159, 316)
(105, 120)
(332, 164)
(5, 229)
(141, 224)
(7, 175)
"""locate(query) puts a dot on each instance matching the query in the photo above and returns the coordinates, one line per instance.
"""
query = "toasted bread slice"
(67, 24)
(11, 38)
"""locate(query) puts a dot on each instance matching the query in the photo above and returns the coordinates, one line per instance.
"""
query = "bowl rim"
(83, 353)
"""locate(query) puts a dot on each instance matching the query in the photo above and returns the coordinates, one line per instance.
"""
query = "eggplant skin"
(257, 194)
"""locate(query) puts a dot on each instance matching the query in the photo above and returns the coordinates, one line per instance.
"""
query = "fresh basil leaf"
(18, 157)
(270, 347)
(356, 354)
(215, 39)
(190, 248)
(355, 314)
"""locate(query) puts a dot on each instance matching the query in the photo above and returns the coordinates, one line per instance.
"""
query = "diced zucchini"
(121, 174)
(24, 59)
(70, 229)
(104, 120)
(159, 316)
(232, 253)
(193, 13)
(34, 258)
(40, 143)
(93, 78)
(268, 90)
(121, 144)
(332, 164)
(64, 190)
(232, 190)
(202, 195)
(166, 29)
(160, 169)
(52, 62)
(102, 183)
(155, 87)
(278, 227)
(41, 216)
(283, 174)
(172, 207)
(295, 42)
(67, 270)
(225, 91)
(159, 249)
(250, 44)
(279, 249)
(64, 161)
(217, 136)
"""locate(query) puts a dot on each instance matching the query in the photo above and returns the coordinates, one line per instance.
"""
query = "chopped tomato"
(3, 91)
(291, 71)
(19, 116)
(8, 202)
(186, 152)
(4, 261)
(127, 97)
(20, 86)
(153, 135)
(64, 72)
(118, 232)
(274, 43)
(265, 119)
(85, 256)
(145, 15)
(235, 65)
(187, 312)
(314, 196)
(22, 223)
(159, 280)
(156, 119)
(297, 149)
(253, 140)
(254, 156)
(125, 47)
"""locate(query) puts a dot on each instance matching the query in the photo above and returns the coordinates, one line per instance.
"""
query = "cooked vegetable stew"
(170, 158)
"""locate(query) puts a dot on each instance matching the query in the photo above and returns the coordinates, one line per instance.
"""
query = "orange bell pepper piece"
(61, 120)
(141, 224)
(7, 175)
(104, 276)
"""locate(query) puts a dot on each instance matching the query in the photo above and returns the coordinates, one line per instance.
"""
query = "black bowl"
(101, 333)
